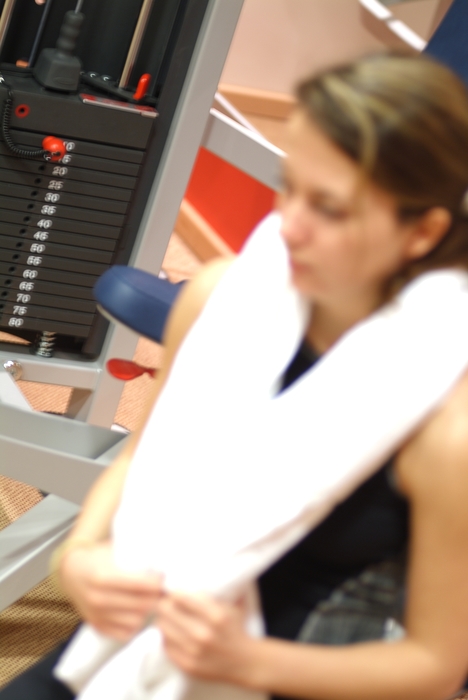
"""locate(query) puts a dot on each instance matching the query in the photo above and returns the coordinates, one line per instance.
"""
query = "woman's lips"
(297, 266)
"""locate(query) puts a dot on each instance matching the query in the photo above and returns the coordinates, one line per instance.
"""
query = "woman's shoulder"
(186, 309)
(192, 299)
(435, 459)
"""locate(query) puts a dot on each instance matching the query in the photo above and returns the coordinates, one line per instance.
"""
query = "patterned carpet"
(42, 618)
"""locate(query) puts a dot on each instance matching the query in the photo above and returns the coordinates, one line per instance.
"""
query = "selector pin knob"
(14, 369)
(55, 146)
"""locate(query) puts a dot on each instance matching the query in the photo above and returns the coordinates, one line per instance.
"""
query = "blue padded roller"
(137, 299)
(449, 42)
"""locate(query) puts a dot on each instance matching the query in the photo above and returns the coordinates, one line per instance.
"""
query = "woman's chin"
(304, 285)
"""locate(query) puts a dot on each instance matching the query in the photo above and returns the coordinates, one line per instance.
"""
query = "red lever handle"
(142, 87)
(126, 369)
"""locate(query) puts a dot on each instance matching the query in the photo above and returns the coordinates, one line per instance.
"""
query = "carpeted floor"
(41, 619)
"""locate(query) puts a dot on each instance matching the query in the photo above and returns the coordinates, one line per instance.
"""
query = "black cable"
(40, 32)
(20, 152)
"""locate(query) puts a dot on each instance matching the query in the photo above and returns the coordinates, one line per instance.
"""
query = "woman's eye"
(329, 211)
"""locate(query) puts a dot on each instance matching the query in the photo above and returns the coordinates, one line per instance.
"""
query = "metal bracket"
(10, 394)
(57, 455)
(27, 544)
(379, 9)
(244, 148)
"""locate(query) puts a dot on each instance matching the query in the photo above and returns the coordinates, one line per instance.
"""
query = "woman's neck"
(328, 322)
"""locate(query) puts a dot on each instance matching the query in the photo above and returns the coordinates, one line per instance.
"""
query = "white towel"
(229, 475)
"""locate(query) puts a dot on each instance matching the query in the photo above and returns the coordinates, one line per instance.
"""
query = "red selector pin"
(142, 87)
(55, 146)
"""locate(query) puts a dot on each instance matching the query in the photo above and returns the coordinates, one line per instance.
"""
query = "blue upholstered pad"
(137, 299)
(449, 43)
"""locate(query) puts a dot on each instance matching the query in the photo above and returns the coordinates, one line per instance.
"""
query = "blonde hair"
(404, 120)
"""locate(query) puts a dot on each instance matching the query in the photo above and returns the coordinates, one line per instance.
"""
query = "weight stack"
(62, 224)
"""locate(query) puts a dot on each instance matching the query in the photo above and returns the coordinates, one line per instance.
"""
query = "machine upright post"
(136, 42)
(5, 20)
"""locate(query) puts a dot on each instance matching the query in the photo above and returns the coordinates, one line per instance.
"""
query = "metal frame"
(96, 394)
(244, 148)
(379, 10)
(63, 456)
(53, 453)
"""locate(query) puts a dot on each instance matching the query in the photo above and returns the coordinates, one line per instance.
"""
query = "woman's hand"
(206, 638)
(116, 603)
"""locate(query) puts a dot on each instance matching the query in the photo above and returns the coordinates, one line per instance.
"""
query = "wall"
(278, 41)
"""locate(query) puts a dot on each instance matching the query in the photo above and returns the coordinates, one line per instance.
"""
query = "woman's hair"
(404, 120)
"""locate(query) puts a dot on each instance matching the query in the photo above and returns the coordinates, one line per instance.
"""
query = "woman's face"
(343, 236)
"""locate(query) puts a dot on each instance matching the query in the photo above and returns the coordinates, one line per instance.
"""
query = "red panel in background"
(229, 200)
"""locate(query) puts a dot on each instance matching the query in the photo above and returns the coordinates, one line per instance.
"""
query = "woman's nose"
(295, 229)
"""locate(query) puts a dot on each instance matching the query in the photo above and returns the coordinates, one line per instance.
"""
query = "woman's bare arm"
(207, 639)
(116, 603)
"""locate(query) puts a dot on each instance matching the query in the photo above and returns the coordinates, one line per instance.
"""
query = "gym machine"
(120, 108)
(127, 92)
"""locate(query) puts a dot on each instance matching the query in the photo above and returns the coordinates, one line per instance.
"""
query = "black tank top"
(368, 527)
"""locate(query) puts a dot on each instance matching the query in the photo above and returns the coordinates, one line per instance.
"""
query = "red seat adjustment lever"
(126, 369)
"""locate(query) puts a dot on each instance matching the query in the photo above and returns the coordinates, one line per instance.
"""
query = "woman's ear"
(427, 232)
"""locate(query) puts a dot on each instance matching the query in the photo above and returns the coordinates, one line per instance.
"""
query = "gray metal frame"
(379, 10)
(244, 148)
(58, 455)
(61, 456)
(95, 393)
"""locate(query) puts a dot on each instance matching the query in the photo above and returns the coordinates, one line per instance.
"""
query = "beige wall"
(278, 41)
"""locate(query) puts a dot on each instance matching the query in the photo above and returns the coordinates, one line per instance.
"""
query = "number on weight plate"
(55, 184)
(47, 209)
(41, 235)
(45, 223)
(23, 298)
(60, 171)
(34, 260)
(26, 286)
(30, 274)
(52, 197)
(70, 145)
(20, 310)
(15, 321)
(37, 248)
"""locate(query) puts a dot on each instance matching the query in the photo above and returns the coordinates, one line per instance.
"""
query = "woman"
(373, 195)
